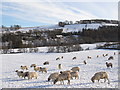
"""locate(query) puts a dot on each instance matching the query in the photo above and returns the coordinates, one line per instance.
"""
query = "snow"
(12, 62)
(79, 27)
(46, 27)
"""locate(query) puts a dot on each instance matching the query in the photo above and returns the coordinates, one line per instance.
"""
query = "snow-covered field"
(12, 62)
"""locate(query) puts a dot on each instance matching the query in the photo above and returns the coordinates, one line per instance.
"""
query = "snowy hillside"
(41, 28)
(12, 62)
(79, 27)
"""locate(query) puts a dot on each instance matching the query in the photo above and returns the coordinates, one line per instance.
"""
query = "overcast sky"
(36, 13)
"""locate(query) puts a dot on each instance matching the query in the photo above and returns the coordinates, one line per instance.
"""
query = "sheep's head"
(61, 72)
(16, 71)
(21, 66)
(34, 66)
(55, 81)
(21, 71)
(106, 62)
(92, 79)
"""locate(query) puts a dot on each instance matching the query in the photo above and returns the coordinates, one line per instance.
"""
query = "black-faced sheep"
(110, 58)
(43, 70)
(103, 55)
(114, 53)
(63, 76)
(58, 58)
(53, 76)
(33, 65)
(24, 67)
(46, 63)
(19, 73)
(89, 57)
(74, 69)
(36, 68)
(100, 75)
(84, 62)
(109, 64)
(106, 54)
(61, 57)
(97, 56)
(59, 66)
(74, 58)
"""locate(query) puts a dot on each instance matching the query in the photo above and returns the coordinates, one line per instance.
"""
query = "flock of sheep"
(65, 75)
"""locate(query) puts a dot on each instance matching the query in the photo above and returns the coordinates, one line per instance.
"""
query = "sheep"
(100, 75)
(63, 76)
(74, 69)
(24, 67)
(110, 58)
(97, 56)
(36, 68)
(84, 62)
(33, 65)
(58, 58)
(31, 75)
(46, 63)
(73, 58)
(43, 70)
(53, 76)
(89, 57)
(109, 64)
(106, 54)
(19, 73)
(114, 53)
(59, 66)
(103, 55)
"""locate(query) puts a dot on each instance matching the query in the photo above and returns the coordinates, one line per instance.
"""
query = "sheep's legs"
(108, 81)
(68, 81)
(104, 80)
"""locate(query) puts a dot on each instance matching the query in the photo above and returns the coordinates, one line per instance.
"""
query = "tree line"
(36, 38)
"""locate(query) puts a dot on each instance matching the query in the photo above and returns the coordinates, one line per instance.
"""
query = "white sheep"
(63, 76)
(53, 76)
(43, 70)
(100, 75)
(31, 75)
(24, 67)
(19, 73)
(36, 68)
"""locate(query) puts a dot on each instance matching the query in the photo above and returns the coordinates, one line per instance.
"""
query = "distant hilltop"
(69, 26)
(92, 21)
